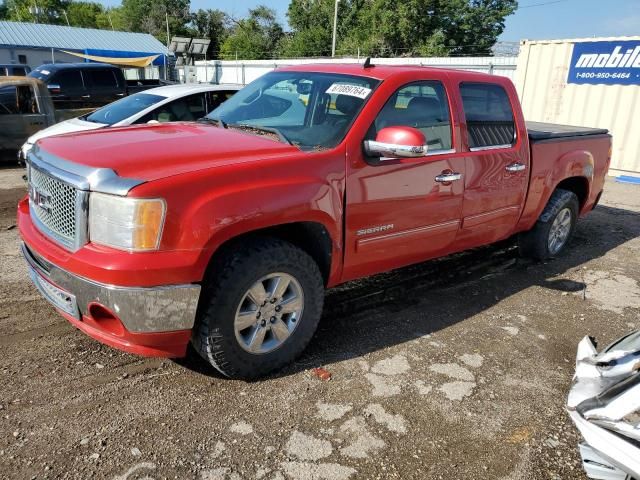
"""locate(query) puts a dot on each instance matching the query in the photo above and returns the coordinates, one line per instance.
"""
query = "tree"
(150, 16)
(256, 37)
(84, 14)
(112, 19)
(211, 24)
(392, 28)
(4, 12)
(47, 11)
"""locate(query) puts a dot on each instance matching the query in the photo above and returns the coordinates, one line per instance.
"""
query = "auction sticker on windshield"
(351, 90)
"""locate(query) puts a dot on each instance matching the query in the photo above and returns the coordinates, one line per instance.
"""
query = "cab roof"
(381, 72)
(64, 66)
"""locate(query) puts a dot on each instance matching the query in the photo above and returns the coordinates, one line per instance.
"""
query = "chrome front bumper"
(141, 309)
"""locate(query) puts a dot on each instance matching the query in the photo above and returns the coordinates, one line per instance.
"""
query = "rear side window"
(19, 71)
(3, 72)
(490, 120)
(68, 79)
(102, 78)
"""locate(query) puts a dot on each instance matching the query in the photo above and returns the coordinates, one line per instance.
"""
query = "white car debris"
(604, 403)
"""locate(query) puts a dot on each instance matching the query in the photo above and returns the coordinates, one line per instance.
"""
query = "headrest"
(347, 104)
(427, 107)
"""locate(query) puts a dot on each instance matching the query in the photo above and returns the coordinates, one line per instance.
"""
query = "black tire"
(232, 275)
(535, 242)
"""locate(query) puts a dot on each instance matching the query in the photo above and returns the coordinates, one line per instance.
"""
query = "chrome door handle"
(516, 167)
(86, 96)
(448, 177)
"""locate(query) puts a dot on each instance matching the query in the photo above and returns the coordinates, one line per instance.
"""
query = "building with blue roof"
(35, 44)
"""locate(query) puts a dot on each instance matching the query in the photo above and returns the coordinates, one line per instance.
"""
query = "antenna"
(367, 63)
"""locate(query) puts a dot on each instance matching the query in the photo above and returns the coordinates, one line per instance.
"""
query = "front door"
(497, 165)
(400, 211)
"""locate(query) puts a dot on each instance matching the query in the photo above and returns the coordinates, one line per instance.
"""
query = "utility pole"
(66, 17)
(167, 20)
(166, 63)
(335, 24)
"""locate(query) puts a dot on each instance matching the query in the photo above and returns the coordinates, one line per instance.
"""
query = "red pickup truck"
(225, 233)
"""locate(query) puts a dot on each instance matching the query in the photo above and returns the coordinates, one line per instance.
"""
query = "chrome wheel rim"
(560, 230)
(268, 313)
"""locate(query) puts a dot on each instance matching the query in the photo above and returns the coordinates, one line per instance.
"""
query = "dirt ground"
(452, 369)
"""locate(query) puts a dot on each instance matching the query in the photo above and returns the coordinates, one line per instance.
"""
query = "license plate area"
(59, 298)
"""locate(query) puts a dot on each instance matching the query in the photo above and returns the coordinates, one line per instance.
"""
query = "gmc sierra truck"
(225, 233)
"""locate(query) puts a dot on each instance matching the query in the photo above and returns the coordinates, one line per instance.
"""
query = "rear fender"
(574, 164)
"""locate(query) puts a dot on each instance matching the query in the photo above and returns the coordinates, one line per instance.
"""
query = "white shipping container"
(546, 96)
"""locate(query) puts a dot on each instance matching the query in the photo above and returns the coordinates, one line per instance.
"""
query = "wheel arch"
(578, 185)
(312, 237)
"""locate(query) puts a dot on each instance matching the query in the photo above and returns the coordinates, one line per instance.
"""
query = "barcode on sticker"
(351, 90)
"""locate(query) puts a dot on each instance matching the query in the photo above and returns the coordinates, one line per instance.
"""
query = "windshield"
(39, 73)
(124, 108)
(310, 110)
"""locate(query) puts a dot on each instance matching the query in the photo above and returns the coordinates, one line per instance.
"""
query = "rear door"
(398, 211)
(496, 163)
(102, 85)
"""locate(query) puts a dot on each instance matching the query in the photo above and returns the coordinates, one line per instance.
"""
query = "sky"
(534, 20)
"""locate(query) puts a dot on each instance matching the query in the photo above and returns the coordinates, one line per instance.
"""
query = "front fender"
(205, 209)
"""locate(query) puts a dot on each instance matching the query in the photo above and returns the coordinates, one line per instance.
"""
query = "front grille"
(53, 204)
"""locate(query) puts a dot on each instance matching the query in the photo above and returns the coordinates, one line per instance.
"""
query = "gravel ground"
(457, 368)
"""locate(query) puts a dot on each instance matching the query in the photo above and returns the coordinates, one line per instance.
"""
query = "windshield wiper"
(272, 130)
(214, 121)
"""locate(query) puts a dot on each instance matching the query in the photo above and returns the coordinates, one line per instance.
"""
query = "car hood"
(150, 152)
(68, 126)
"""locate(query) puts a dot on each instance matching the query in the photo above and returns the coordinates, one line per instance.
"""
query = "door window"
(179, 110)
(8, 100)
(215, 99)
(102, 78)
(17, 100)
(490, 120)
(197, 105)
(68, 80)
(421, 105)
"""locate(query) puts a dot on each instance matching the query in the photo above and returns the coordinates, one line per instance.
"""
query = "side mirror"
(397, 142)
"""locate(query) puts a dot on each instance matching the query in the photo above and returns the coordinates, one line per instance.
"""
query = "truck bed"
(539, 131)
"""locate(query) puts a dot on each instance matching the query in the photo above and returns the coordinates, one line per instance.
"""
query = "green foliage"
(256, 37)
(392, 28)
(211, 24)
(150, 16)
(84, 14)
(4, 12)
(49, 11)
(112, 19)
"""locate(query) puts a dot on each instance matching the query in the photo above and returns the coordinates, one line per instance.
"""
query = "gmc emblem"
(40, 199)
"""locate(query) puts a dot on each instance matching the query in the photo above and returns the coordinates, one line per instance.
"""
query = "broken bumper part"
(604, 403)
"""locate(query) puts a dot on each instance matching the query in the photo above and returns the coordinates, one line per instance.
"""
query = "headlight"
(24, 150)
(126, 223)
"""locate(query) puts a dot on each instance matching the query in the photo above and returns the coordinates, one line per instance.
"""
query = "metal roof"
(22, 34)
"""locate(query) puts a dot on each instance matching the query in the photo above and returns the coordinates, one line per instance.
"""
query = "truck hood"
(151, 152)
(68, 126)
